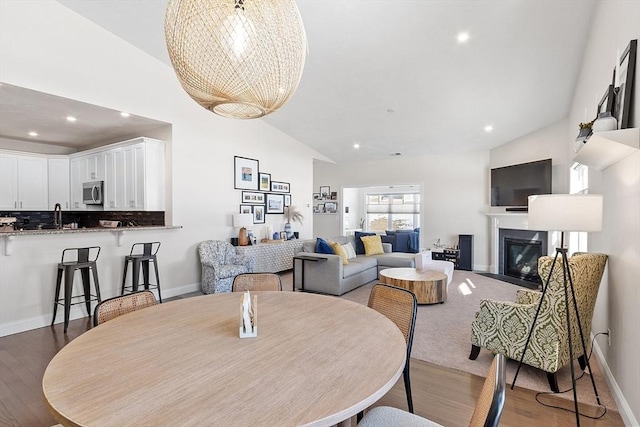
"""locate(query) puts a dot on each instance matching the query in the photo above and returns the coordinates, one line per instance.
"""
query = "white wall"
(614, 24)
(455, 195)
(46, 47)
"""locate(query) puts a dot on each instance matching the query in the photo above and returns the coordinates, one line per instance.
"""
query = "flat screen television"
(512, 185)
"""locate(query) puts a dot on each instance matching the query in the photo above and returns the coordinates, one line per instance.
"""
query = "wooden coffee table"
(430, 287)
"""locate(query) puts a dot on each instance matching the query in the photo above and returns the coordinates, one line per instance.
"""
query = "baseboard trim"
(77, 312)
(623, 407)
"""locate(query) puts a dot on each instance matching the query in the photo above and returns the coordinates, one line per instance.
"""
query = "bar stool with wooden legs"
(140, 256)
(85, 260)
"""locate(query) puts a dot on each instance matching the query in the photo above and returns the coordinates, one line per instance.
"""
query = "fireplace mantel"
(514, 221)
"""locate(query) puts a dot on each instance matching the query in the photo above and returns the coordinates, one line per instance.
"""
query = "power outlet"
(609, 337)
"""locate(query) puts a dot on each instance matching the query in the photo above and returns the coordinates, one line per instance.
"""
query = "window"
(392, 211)
(578, 184)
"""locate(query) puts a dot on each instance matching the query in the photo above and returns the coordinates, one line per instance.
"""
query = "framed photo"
(245, 173)
(316, 196)
(316, 208)
(606, 103)
(253, 197)
(265, 181)
(320, 207)
(331, 207)
(334, 195)
(287, 200)
(625, 71)
(275, 203)
(246, 209)
(325, 192)
(280, 187)
(258, 214)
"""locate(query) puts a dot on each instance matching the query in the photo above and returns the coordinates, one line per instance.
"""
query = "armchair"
(220, 264)
(503, 327)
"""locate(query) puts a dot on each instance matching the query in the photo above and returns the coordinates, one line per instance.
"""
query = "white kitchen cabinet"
(96, 166)
(59, 183)
(114, 182)
(79, 175)
(144, 175)
(23, 182)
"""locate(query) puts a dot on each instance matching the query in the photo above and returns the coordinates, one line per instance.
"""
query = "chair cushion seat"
(388, 416)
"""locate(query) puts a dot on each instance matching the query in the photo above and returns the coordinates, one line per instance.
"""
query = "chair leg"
(136, 275)
(124, 275)
(68, 288)
(86, 286)
(155, 266)
(55, 301)
(553, 382)
(145, 274)
(475, 351)
(359, 416)
(96, 284)
(582, 360)
(407, 387)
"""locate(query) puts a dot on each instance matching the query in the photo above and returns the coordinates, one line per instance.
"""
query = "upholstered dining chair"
(487, 412)
(220, 264)
(257, 282)
(503, 327)
(111, 308)
(400, 306)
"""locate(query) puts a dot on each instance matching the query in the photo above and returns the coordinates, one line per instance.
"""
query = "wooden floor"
(444, 395)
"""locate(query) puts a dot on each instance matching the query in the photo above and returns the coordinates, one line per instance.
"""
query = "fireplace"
(521, 258)
(519, 251)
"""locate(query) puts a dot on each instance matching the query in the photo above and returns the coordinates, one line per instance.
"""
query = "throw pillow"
(348, 248)
(359, 245)
(338, 250)
(372, 245)
(323, 247)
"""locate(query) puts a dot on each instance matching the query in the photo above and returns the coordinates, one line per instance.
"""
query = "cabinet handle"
(20, 205)
(15, 205)
(67, 205)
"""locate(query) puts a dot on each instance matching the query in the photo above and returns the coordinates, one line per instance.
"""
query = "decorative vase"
(288, 230)
(276, 236)
(605, 122)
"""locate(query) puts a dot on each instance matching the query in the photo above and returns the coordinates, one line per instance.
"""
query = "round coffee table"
(429, 287)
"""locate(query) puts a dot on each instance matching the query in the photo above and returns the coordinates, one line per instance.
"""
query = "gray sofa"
(332, 277)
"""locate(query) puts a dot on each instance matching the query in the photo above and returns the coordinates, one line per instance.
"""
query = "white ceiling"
(390, 75)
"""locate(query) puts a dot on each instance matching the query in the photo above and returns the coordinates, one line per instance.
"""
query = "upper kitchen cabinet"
(144, 174)
(79, 175)
(23, 182)
(59, 188)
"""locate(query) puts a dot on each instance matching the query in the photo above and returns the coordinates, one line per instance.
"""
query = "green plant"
(587, 125)
(293, 214)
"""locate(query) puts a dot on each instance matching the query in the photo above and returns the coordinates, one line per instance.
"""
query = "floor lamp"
(564, 212)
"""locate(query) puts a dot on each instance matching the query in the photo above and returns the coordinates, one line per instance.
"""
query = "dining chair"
(117, 306)
(256, 282)
(400, 306)
(487, 412)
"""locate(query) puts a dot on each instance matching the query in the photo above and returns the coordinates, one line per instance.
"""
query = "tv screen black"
(512, 185)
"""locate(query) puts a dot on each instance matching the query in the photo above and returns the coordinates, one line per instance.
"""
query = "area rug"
(442, 337)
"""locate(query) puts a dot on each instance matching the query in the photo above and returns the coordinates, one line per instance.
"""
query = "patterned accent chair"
(220, 265)
(503, 327)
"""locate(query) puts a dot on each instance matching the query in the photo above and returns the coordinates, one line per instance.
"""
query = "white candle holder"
(248, 316)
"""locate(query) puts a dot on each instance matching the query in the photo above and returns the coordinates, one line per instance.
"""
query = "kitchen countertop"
(86, 230)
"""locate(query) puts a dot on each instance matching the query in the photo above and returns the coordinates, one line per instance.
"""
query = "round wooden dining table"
(317, 360)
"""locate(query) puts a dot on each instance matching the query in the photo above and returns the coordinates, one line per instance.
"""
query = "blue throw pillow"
(322, 247)
(359, 244)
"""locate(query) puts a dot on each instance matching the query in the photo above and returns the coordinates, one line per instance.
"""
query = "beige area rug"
(442, 337)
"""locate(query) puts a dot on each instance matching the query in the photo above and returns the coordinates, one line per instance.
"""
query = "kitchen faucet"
(57, 215)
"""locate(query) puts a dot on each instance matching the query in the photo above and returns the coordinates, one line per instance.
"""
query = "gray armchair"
(220, 265)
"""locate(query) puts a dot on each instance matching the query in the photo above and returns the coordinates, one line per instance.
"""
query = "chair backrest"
(398, 305)
(491, 400)
(117, 306)
(149, 248)
(216, 251)
(257, 282)
(89, 254)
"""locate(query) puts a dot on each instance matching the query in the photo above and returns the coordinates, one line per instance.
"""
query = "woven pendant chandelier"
(238, 58)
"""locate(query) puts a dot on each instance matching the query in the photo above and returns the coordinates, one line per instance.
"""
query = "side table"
(303, 259)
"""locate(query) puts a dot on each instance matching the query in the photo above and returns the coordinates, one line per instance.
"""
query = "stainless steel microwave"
(92, 192)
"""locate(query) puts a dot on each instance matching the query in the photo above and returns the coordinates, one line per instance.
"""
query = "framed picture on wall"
(265, 181)
(331, 207)
(280, 187)
(287, 200)
(625, 72)
(258, 214)
(253, 197)
(325, 192)
(606, 103)
(245, 173)
(246, 209)
(275, 203)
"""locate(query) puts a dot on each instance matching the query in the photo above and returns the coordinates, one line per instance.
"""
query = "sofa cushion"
(372, 245)
(350, 251)
(395, 260)
(358, 265)
(359, 245)
(338, 250)
(323, 247)
(309, 246)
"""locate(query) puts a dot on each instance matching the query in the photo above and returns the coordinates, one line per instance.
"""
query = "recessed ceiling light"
(390, 110)
(488, 128)
(71, 119)
(32, 133)
(463, 37)
(125, 114)
(356, 145)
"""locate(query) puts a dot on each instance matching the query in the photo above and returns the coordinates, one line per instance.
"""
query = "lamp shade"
(238, 58)
(565, 212)
(242, 220)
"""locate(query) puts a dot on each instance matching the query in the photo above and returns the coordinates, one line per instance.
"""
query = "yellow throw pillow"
(372, 245)
(339, 250)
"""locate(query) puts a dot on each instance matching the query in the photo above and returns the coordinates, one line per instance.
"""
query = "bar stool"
(85, 260)
(145, 253)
